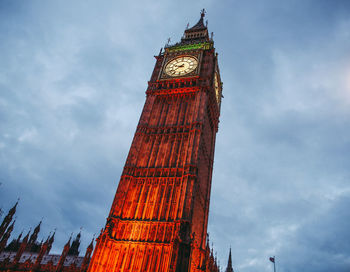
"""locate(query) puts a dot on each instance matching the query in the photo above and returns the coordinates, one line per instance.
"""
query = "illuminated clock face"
(181, 66)
(217, 88)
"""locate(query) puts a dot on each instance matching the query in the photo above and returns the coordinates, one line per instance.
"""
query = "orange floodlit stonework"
(159, 216)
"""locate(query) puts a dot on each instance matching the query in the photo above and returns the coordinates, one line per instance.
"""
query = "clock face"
(181, 66)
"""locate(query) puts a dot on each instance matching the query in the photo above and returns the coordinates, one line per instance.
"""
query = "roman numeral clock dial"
(181, 66)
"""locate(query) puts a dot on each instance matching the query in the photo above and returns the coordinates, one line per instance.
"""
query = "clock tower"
(159, 216)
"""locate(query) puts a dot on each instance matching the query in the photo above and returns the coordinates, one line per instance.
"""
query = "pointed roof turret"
(37, 228)
(33, 245)
(200, 25)
(52, 238)
(198, 33)
(35, 233)
(7, 220)
(25, 239)
(50, 242)
(20, 236)
(92, 243)
(48, 238)
(229, 263)
(194, 37)
(70, 238)
(5, 237)
(15, 243)
(10, 228)
(22, 248)
(13, 209)
(66, 247)
(13, 223)
(74, 249)
(87, 256)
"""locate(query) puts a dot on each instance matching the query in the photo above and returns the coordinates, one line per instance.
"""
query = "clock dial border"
(170, 57)
(181, 66)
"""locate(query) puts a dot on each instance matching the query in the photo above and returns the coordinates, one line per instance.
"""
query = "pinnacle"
(229, 263)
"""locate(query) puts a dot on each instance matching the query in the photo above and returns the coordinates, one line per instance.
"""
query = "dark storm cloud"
(323, 242)
(287, 145)
(72, 82)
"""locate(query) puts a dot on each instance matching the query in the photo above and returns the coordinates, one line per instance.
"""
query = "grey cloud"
(72, 82)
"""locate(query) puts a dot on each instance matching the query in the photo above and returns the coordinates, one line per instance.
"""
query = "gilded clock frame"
(169, 57)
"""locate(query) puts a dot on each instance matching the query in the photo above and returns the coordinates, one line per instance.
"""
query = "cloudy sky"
(73, 76)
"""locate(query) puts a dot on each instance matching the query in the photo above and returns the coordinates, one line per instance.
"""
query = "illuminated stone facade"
(158, 219)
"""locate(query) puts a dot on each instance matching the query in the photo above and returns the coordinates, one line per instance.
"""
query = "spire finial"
(27, 236)
(52, 238)
(203, 12)
(167, 43)
(13, 209)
